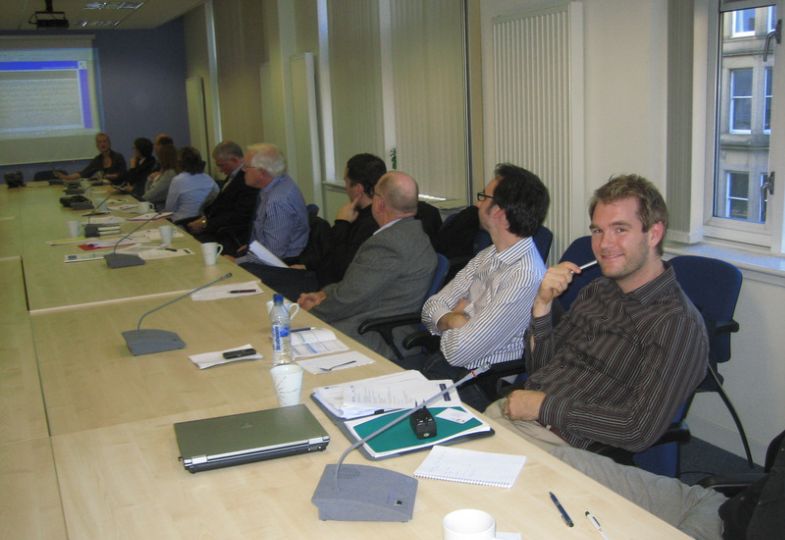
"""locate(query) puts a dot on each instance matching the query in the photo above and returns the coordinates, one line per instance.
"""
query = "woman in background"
(142, 164)
(157, 185)
(191, 188)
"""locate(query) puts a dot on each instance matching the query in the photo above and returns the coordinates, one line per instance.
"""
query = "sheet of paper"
(265, 255)
(104, 220)
(151, 216)
(382, 396)
(232, 290)
(81, 257)
(125, 207)
(334, 362)
(332, 396)
(151, 254)
(315, 342)
(215, 358)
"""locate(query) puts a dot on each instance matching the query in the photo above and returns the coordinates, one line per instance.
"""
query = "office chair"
(385, 325)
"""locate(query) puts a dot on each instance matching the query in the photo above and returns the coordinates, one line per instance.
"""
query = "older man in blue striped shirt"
(482, 314)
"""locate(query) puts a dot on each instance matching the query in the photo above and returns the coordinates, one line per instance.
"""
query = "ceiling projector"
(49, 18)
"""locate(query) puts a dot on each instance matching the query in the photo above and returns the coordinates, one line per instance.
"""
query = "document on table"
(334, 362)
(265, 255)
(315, 341)
(471, 467)
(333, 397)
(151, 216)
(151, 254)
(232, 290)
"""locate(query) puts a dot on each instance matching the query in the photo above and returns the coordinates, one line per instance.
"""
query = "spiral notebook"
(471, 467)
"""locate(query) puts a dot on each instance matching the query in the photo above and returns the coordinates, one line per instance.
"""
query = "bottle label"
(280, 332)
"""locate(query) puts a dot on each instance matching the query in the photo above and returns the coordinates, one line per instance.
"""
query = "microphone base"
(122, 260)
(364, 493)
(152, 341)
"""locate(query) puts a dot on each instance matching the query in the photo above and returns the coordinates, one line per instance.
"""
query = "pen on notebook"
(596, 524)
(588, 265)
(302, 329)
(564, 515)
(242, 291)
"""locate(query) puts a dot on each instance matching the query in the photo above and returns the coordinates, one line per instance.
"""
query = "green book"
(400, 438)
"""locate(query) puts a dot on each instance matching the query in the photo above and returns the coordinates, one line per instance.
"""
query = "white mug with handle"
(210, 252)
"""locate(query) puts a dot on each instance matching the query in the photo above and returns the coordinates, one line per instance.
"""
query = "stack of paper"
(215, 358)
(401, 390)
(314, 341)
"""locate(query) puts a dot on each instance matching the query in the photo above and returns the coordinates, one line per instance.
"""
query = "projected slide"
(43, 97)
(48, 99)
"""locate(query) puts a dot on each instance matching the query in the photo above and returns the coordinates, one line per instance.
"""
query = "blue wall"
(142, 86)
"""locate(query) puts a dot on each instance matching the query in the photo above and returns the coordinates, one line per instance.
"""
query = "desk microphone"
(365, 493)
(97, 210)
(122, 260)
(153, 341)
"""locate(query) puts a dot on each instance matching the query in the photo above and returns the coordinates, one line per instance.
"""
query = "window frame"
(733, 99)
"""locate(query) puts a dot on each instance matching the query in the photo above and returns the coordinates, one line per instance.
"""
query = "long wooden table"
(109, 440)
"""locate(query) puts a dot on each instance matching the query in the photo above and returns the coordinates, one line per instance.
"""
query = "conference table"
(88, 449)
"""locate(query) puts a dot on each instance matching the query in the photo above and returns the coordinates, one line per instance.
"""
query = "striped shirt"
(618, 366)
(500, 288)
(281, 220)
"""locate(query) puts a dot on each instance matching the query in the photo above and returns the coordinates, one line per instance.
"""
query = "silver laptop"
(212, 443)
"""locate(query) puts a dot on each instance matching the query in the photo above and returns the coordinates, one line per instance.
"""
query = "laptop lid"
(242, 438)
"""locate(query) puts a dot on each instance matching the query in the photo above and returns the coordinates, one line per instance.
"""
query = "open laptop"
(212, 443)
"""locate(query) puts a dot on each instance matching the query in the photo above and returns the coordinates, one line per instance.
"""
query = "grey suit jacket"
(390, 274)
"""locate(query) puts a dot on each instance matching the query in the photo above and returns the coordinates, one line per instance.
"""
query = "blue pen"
(564, 515)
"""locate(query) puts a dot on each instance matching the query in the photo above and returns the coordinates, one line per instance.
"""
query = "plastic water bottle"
(282, 344)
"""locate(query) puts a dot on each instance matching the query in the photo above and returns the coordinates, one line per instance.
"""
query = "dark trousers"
(289, 282)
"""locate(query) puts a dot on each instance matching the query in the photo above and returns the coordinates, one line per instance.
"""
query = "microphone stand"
(151, 341)
(123, 260)
(365, 493)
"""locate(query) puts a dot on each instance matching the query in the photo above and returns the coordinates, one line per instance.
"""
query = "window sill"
(757, 265)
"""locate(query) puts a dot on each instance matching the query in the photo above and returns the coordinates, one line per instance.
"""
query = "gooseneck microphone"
(123, 260)
(151, 341)
(97, 209)
(365, 493)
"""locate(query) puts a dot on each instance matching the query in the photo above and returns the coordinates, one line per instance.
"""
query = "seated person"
(391, 271)
(756, 512)
(280, 221)
(630, 351)
(142, 165)
(191, 188)
(482, 314)
(157, 185)
(108, 164)
(233, 208)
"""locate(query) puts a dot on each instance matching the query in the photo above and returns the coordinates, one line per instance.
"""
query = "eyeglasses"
(481, 196)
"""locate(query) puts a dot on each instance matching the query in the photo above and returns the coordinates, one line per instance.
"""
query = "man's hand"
(523, 405)
(297, 266)
(197, 225)
(348, 212)
(556, 280)
(308, 301)
(455, 318)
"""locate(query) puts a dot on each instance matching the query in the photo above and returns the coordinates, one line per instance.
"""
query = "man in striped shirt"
(482, 314)
(632, 348)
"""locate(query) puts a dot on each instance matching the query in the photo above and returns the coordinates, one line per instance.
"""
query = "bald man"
(391, 272)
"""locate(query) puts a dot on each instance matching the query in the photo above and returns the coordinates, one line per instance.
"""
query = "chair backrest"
(543, 239)
(713, 286)
(579, 252)
(442, 266)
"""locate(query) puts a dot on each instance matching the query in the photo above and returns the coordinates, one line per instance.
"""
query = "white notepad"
(471, 467)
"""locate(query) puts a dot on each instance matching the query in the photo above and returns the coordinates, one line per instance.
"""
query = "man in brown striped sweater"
(631, 349)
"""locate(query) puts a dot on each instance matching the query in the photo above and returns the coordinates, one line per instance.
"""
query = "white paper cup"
(166, 231)
(469, 524)
(144, 206)
(210, 252)
(292, 307)
(288, 381)
(73, 228)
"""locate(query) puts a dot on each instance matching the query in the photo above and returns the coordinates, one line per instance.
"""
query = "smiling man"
(631, 349)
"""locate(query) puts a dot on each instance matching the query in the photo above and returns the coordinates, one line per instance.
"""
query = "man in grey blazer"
(391, 271)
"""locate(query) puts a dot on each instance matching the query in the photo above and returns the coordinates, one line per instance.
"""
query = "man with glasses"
(281, 220)
(482, 314)
(233, 207)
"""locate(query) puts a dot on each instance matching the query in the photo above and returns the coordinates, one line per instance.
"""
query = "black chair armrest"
(725, 327)
(422, 339)
(732, 484)
(385, 326)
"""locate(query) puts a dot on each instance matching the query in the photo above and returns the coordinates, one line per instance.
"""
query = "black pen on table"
(242, 291)
(564, 515)
(307, 328)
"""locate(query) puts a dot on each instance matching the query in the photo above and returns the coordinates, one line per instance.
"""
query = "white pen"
(588, 265)
(594, 521)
